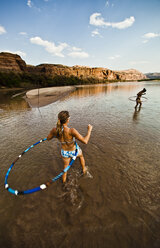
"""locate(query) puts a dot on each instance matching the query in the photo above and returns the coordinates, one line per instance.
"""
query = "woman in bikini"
(67, 138)
(138, 99)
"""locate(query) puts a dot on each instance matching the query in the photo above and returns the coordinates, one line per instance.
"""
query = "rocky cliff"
(12, 62)
(154, 75)
(130, 75)
(81, 72)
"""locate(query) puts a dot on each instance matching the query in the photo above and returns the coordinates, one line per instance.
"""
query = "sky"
(114, 34)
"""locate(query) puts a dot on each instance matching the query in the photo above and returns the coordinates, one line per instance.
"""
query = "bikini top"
(67, 141)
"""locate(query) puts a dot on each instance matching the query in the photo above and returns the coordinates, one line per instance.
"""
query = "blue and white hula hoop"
(42, 186)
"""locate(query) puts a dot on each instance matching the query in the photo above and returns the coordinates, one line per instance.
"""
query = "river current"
(116, 204)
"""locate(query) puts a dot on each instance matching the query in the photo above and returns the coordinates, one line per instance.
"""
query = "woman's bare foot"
(85, 170)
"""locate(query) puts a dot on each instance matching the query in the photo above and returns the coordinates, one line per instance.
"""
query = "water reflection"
(84, 91)
(10, 103)
(90, 90)
(136, 113)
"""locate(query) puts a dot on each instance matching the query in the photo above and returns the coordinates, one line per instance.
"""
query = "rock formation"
(76, 71)
(154, 75)
(130, 75)
(12, 62)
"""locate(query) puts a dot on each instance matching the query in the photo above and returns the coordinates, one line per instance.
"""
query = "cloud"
(78, 54)
(32, 5)
(22, 33)
(2, 30)
(95, 33)
(97, 20)
(76, 49)
(151, 35)
(114, 57)
(23, 54)
(107, 4)
(29, 3)
(50, 46)
(144, 41)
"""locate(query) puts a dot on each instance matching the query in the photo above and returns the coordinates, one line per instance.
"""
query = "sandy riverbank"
(44, 96)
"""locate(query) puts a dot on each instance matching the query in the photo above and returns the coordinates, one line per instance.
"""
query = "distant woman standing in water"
(67, 137)
(138, 99)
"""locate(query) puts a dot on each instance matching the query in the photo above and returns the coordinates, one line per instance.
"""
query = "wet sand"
(44, 96)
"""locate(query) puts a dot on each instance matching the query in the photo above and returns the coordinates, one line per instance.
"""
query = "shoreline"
(44, 96)
(11, 89)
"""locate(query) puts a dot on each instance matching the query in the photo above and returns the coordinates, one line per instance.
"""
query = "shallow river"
(117, 204)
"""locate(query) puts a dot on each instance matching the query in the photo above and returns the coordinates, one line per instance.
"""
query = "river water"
(117, 204)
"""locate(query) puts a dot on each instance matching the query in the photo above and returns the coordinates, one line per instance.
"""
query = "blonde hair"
(62, 118)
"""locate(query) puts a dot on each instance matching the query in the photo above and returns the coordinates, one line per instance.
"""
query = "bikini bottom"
(70, 154)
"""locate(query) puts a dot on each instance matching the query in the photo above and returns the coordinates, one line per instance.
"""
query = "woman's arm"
(78, 136)
(52, 134)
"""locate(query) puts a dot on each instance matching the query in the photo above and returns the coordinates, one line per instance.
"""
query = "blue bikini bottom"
(70, 154)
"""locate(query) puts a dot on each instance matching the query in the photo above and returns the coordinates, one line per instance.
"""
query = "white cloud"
(144, 41)
(124, 24)
(107, 4)
(76, 49)
(151, 35)
(97, 20)
(94, 20)
(2, 30)
(114, 57)
(29, 3)
(78, 54)
(23, 54)
(50, 46)
(32, 5)
(23, 33)
(95, 33)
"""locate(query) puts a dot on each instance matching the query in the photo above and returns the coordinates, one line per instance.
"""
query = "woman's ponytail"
(62, 118)
(59, 128)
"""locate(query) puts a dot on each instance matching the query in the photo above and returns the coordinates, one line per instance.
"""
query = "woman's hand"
(90, 127)
(77, 135)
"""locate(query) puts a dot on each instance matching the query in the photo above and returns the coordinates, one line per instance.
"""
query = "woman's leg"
(140, 103)
(66, 162)
(136, 104)
(82, 161)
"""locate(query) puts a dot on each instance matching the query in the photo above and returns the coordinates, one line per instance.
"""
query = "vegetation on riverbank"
(149, 79)
(28, 81)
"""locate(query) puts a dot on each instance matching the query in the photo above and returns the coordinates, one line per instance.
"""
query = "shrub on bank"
(28, 80)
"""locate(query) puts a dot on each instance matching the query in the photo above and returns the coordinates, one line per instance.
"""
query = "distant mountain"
(154, 75)
(15, 71)
(13, 63)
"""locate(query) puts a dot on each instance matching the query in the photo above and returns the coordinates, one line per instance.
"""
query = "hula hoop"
(130, 98)
(42, 186)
